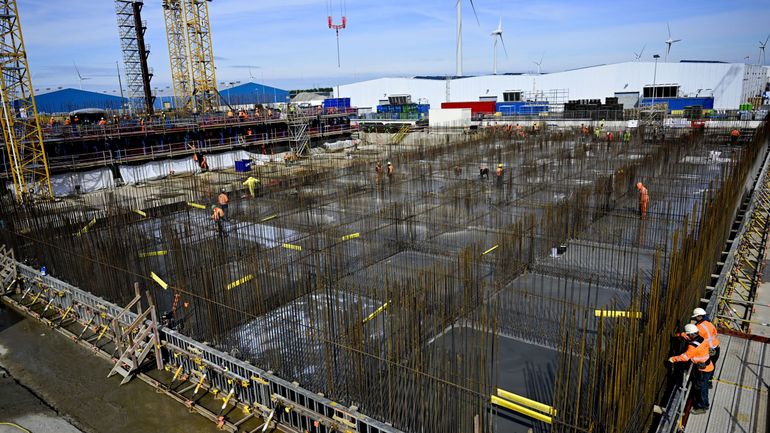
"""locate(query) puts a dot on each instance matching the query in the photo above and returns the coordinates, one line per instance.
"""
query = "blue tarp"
(66, 100)
(253, 93)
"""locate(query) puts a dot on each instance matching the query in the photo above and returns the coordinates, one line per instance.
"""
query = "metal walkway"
(739, 397)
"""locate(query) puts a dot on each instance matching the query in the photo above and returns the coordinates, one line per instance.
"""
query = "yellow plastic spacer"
(158, 280)
(520, 409)
(292, 247)
(240, 281)
(351, 236)
(376, 312)
(490, 250)
(618, 314)
(526, 402)
(196, 205)
(140, 212)
(153, 253)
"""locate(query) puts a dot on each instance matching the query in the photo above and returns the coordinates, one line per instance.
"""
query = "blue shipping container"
(680, 103)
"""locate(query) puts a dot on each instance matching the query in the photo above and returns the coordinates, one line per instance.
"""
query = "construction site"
(319, 277)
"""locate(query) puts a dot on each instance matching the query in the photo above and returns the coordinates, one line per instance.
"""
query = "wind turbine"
(498, 35)
(762, 59)
(80, 77)
(459, 70)
(539, 64)
(638, 56)
(669, 42)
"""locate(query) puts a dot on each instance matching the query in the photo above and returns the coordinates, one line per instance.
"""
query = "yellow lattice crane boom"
(173, 13)
(188, 33)
(27, 164)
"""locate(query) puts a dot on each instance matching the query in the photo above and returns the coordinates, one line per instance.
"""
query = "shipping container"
(679, 103)
(337, 103)
(477, 107)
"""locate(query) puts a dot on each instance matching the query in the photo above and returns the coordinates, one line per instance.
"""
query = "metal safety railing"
(234, 380)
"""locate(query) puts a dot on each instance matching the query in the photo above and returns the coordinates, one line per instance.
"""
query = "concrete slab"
(73, 383)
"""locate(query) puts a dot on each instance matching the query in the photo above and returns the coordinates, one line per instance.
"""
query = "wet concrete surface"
(57, 384)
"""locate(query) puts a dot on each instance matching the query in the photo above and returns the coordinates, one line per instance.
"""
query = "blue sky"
(286, 43)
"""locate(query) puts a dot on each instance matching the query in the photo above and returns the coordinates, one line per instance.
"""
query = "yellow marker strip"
(87, 226)
(520, 409)
(268, 218)
(177, 373)
(489, 250)
(374, 314)
(196, 205)
(292, 247)
(351, 236)
(159, 280)
(526, 402)
(101, 334)
(618, 314)
(237, 283)
(153, 253)
(140, 212)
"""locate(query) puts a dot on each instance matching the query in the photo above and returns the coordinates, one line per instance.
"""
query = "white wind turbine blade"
(669, 30)
(503, 42)
(474, 13)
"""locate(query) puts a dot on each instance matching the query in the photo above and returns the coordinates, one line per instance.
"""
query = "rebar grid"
(412, 296)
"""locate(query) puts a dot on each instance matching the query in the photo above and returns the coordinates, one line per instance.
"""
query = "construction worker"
(458, 170)
(644, 199)
(697, 353)
(483, 171)
(102, 122)
(223, 200)
(499, 175)
(217, 217)
(251, 183)
(708, 331)
(390, 170)
(378, 171)
(627, 136)
(734, 135)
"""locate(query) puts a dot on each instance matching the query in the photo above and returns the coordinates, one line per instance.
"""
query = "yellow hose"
(15, 425)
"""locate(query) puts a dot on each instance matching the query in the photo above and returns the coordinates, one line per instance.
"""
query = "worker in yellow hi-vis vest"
(251, 183)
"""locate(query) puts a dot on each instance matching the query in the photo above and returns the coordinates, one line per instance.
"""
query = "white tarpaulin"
(89, 181)
(132, 174)
(339, 145)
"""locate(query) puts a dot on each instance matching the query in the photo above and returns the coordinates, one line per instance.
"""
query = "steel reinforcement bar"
(237, 382)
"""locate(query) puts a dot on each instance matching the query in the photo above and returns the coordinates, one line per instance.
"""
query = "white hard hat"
(690, 329)
(698, 312)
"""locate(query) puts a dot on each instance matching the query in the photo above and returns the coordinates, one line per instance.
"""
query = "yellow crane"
(27, 164)
(191, 55)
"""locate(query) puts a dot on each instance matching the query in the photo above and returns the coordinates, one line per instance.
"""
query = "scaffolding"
(131, 30)
(19, 119)
(177, 53)
(188, 33)
(201, 56)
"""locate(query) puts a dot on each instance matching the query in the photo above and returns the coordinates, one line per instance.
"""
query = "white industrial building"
(731, 84)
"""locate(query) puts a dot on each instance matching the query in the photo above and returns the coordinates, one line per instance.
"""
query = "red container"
(482, 107)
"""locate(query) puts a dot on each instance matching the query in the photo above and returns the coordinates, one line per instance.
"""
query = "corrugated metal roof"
(67, 100)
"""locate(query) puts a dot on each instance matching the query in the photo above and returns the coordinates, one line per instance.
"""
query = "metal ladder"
(298, 126)
(140, 339)
(8, 272)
